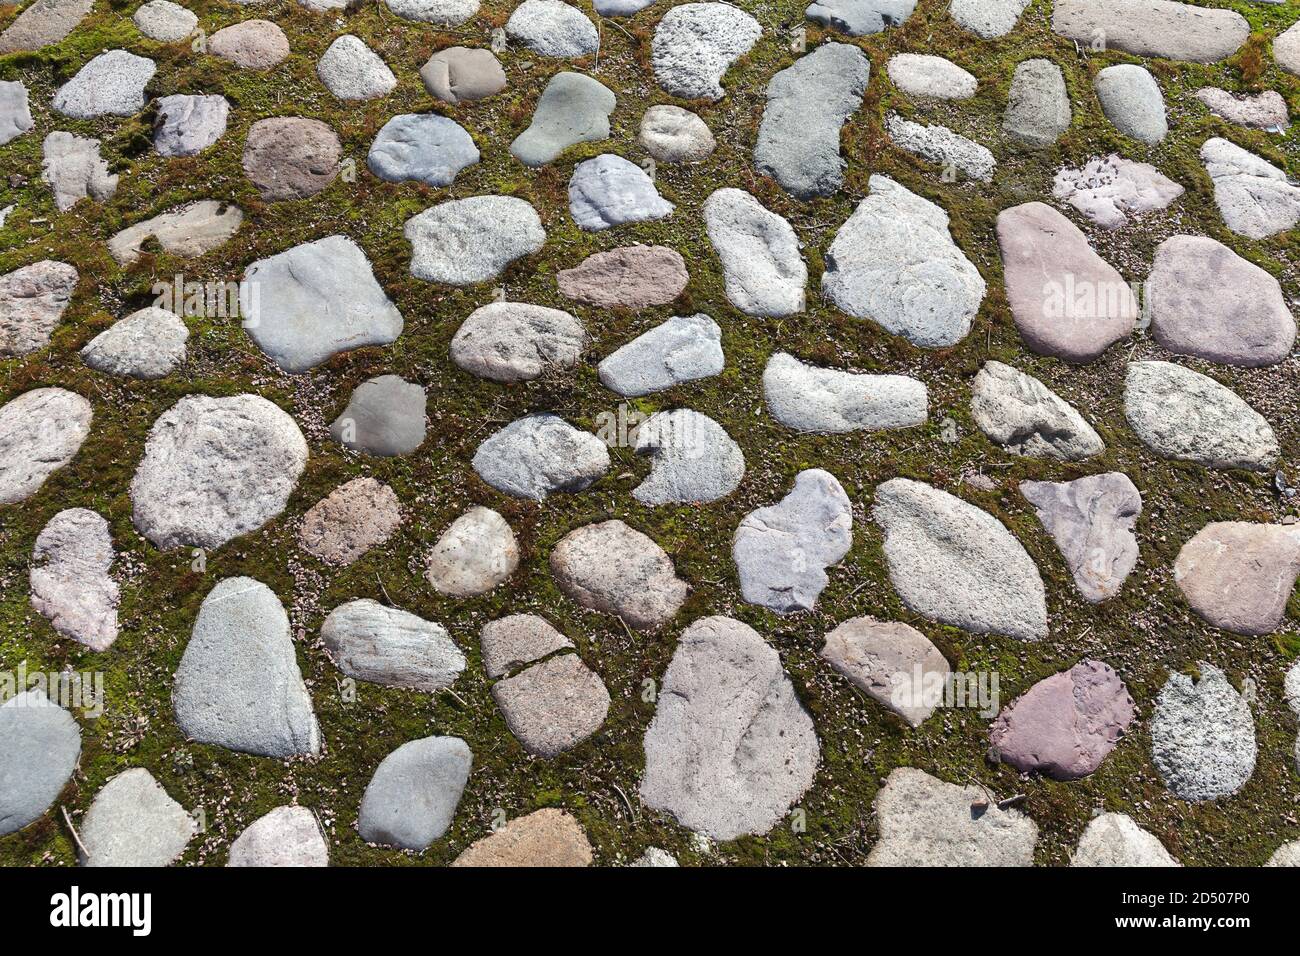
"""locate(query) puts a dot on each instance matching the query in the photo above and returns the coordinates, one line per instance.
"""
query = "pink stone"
(633, 277)
(1064, 726)
(1238, 575)
(1066, 300)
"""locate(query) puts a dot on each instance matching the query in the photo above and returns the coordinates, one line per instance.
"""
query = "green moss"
(1145, 633)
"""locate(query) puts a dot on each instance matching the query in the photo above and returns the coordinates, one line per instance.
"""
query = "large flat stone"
(925, 821)
(807, 105)
(895, 263)
(305, 305)
(1187, 416)
(730, 748)
(1205, 300)
(1066, 300)
(1239, 576)
(1159, 28)
(214, 469)
(957, 564)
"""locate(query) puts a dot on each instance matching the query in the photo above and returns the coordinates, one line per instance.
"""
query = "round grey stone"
(517, 341)
(465, 241)
(147, 344)
(250, 45)
(1131, 99)
(924, 75)
(164, 21)
(215, 468)
(238, 684)
(538, 455)
(305, 305)
(474, 555)
(287, 836)
(463, 74)
(384, 417)
(412, 798)
(987, 18)
(40, 743)
(553, 28)
(1038, 105)
(673, 135)
(352, 71)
